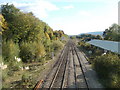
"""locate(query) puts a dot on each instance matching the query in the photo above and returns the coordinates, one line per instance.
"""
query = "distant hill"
(94, 33)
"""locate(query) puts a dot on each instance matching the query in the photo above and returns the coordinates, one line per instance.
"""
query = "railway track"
(58, 78)
(67, 71)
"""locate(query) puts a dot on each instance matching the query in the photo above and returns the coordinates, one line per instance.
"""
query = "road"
(71, 70)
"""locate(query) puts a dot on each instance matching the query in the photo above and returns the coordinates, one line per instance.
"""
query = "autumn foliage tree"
(3, 24)
(33, 36)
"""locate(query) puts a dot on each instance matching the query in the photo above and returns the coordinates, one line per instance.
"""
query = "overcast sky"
(72, 16)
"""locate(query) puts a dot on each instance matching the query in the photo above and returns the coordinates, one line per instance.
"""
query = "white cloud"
(68, 7)
(40, 8)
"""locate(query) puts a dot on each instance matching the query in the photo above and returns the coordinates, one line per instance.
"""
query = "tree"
(22, 26)
(98, 37)
(47, 35)
(113, 33)
(9, 12)
(3, 24)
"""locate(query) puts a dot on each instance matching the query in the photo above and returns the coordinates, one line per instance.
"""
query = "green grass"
(35, 72)
(12, 81)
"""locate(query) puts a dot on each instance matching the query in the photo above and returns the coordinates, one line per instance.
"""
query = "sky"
(72, 16)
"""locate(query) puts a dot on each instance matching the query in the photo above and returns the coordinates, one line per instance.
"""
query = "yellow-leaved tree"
(3, 24)
(47, 35)
(40, 50)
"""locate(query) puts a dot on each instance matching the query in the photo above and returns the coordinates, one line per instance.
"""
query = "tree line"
(27, 37)
(112, 34)
(26, 40)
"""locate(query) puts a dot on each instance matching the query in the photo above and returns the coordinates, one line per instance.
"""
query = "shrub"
(39, 51)
(26, 81)
(108, 69)
(25, 52)
(10, 73)
(13, 66)
(98, 52)
(4, 75)
(57, 45)
(32, 51)
(48, 48)
(115, 81)
(9, 51)
(25, 77)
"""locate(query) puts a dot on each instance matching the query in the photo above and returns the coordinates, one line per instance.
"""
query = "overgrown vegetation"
(90, 50)
(31, 52)
(26, 82)
(10, 50)
(26, 39)
(108, 69)
(88, 37)
(107, 65)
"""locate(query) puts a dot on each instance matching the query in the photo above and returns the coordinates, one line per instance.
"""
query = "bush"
(14, 66)
(10, 73)
(25, 52)
(48, 48)
(57, 45)
(85, 45)
(52, 46)
(30, 52)
(108, 69)
(115, 81)
(9, 51)
(26, 81)
(39, 51)
(25, 77)
(4, 75)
